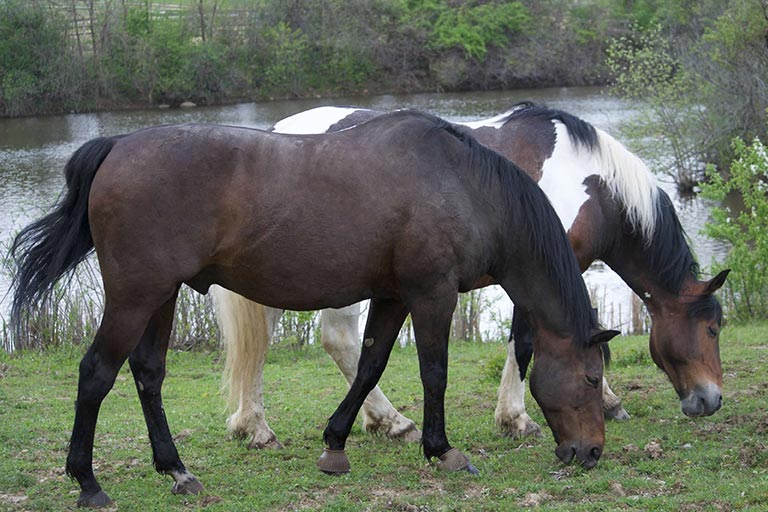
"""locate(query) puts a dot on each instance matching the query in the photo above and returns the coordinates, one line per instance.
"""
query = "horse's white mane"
(630, 182)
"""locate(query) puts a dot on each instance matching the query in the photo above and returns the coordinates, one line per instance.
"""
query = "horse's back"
(274, 216)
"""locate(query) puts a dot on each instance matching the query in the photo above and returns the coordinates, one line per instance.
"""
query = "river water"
(34, 150)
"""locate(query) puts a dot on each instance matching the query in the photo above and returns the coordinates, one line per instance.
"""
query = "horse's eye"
(712, 331)
(593, 381)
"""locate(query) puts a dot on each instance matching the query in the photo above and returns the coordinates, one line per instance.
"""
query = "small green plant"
(746, 230)
(645, 69)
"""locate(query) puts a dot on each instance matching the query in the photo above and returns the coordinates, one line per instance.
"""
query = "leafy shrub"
(645, 69)
(746, 230)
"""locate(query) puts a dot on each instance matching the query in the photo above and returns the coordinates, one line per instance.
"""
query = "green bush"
(746, 230)
(645, 69)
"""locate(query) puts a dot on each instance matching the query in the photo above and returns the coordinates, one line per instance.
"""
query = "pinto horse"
(613, 210)
(407, 210)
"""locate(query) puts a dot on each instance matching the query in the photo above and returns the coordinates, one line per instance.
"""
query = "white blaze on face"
(316, 120)
(563, 175)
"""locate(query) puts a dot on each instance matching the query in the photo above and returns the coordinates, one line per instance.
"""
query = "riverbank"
(658, 460)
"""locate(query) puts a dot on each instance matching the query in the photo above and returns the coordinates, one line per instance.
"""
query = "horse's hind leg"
(118, 334)
(148, 366)
(384, 321)
(340, 338)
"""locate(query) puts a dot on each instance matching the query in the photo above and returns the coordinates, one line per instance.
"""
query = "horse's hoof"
(270, 444)
(411, 434)
(98, 500)
(471, 469)
(616, 413)
(188, 486)
(333, 462)
(454, 460)
(519, 429)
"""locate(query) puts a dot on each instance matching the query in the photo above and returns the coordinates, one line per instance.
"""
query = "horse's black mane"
(529, 203)
(581, 132)
(668, 253)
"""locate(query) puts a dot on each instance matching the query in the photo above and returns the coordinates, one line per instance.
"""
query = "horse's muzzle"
(587, 455)
(702, 401)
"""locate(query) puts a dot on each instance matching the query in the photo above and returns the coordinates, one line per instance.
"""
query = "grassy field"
(659, 460)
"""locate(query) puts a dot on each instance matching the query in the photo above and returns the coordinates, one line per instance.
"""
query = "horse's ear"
(716, 282)
(603, 336)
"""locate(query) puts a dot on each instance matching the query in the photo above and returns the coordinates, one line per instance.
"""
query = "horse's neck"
(633, 267)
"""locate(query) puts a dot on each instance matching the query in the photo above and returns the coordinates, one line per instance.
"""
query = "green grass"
(715, 463)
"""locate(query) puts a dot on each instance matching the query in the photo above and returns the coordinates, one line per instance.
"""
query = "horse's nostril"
(595, 452)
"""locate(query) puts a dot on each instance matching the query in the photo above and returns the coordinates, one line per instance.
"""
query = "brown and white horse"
(613, 210)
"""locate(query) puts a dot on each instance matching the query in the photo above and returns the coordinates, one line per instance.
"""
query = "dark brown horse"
(407, 210)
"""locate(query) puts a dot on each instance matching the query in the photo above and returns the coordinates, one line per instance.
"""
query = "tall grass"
(72, 315)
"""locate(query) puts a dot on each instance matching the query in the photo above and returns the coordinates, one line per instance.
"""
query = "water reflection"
(33, 152)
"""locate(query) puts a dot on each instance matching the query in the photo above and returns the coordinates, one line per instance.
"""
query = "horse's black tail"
(49, 248)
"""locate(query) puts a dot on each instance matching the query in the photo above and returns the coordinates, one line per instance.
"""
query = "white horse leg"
(612, 408)
(246, 329)
(341, 339)
(510, 415)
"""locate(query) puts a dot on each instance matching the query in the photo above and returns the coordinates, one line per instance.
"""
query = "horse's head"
(685, 344)
(567, 382)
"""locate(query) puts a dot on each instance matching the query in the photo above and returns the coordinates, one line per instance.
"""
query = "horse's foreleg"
(246, 329)
(148, 367)
(432, 324)
(384, 321)
(510, 414)
(341, 340)
(116, 337)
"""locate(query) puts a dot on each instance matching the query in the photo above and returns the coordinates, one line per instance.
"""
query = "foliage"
(32, 54)
(714, 463)
(644, 69)
(745, 229)
(474, 27)
(697, 70)
(298, 328)
(139, 53)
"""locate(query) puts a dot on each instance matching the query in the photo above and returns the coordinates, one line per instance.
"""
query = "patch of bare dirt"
(534, 499)
(653, 450)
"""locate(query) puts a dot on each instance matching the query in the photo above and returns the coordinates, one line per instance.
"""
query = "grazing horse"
(609, 203)
(407, 210)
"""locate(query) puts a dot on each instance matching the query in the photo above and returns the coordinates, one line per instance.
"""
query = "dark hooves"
(333, 462)
(454, 460)
(98, 500)
(190, 486)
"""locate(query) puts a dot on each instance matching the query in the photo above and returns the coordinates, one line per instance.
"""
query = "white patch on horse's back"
(496, 121)
(563, 175)
(316, 120)
(628, 179)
